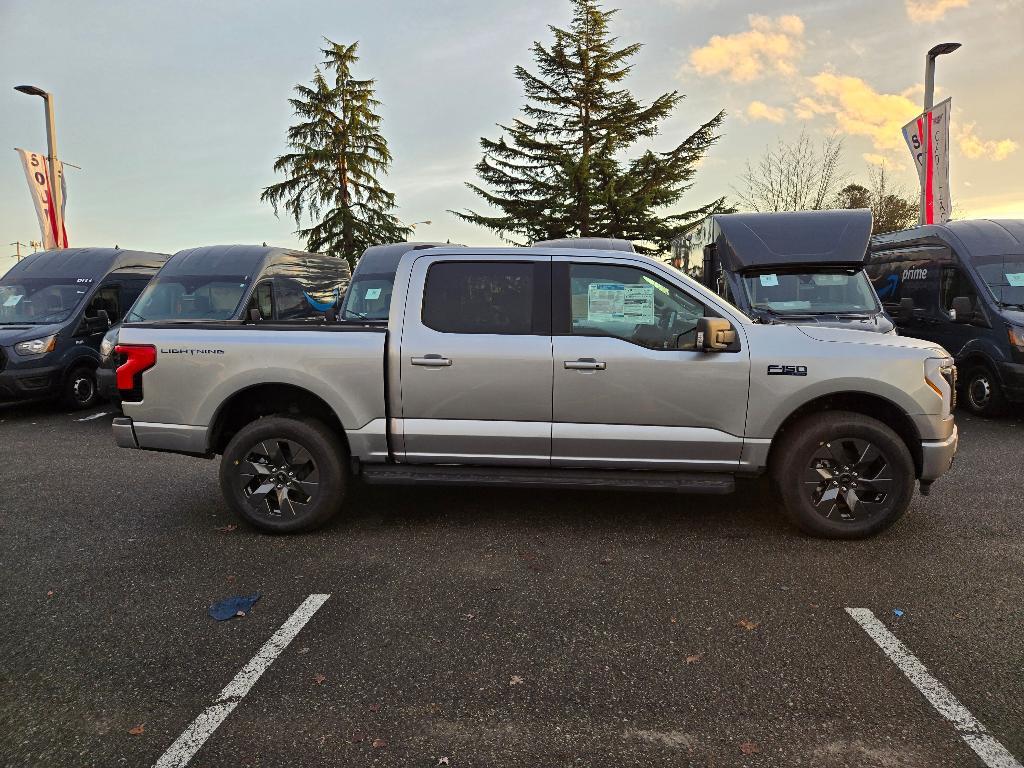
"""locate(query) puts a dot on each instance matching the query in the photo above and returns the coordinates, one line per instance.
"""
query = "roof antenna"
(264, 243)
(117, 247)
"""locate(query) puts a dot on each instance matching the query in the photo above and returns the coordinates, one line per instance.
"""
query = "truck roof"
(84, 262)
(972, 237)
(230, 259)
(789, 239)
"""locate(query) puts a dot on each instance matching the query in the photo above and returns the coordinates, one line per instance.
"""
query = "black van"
(247, 283)
(55, 307)
(369, 297)
(804, 267)
(961, 285)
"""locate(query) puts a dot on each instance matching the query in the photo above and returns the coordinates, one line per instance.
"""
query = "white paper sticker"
(13, 300)
(372, 293)
(1015, 279)
(605, 302)
(638, 304)
(769, 280)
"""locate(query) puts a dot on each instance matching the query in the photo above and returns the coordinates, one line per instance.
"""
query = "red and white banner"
(927, 137)
(37, 173)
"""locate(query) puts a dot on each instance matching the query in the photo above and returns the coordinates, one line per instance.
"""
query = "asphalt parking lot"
(472, 628)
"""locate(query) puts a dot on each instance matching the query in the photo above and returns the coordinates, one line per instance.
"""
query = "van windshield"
(1004, 276)
(189, 297)
(40, 300)
(823, 291)
(369, 297)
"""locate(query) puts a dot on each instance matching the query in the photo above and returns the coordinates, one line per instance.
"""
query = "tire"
(80, 391)
(272, 499)
(982, 393)
(823, 454)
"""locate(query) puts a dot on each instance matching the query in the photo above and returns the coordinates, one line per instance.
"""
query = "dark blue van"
(961, 285)
(55, 307)
(801, 267)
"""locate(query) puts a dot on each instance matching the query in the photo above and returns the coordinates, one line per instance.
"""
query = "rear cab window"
(496, 297)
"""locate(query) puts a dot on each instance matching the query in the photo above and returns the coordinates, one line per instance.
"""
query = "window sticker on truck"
(372, 293)
(1015, 279)
(787, 370)
(617, 302)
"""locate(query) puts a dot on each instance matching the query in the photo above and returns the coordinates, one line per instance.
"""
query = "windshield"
(368, 298)
(1004, 276)
(41, 300)
(189, 297)
(843, 291)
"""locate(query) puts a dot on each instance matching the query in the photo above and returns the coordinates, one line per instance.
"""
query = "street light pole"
(929, 97)
(56, 192)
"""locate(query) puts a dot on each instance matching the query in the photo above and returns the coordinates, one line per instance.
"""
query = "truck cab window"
(484, 297)
(955, 282)
(633, 305)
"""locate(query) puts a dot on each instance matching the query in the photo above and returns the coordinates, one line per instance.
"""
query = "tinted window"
(631, 304)
(189, 297)
(467, 297)
(956, 283)
(292, 302)
(821, 291)
(40, 300)
(369, 297)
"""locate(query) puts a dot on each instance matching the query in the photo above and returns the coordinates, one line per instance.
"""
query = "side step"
(540, 477)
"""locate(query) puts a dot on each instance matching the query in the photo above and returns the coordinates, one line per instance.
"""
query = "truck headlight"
(1016, 334)
(36, 346)
(940, 376)
(106, 348)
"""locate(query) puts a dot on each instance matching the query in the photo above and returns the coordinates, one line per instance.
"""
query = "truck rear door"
(476, 371)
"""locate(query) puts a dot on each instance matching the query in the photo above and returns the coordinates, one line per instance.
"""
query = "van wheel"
(284, 475)
(80, 388)
(843, 475)
(982, 392)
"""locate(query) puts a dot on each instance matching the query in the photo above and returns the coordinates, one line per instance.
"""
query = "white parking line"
(94, 416)
(185, 746)
(992, 753)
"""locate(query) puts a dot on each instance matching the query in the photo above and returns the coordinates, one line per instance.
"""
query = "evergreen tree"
(337, 154)
(561, 171)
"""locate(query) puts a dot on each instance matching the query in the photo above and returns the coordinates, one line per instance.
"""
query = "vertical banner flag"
(37, 173)
(927, 136)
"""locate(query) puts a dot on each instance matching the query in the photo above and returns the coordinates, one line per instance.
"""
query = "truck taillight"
(137, 358)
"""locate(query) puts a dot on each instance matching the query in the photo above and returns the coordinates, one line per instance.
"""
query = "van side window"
(291, 301)
(954, 283)
(480, 297)
(108, 299)
(263, 300)
(633, 305)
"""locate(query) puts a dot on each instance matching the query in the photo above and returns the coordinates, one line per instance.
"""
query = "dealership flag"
(928, 139)
(37, 173)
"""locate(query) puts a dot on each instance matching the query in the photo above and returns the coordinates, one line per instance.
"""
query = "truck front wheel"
(284, 475)
(843, 475)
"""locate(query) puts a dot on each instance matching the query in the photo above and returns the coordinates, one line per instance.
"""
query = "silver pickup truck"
(545, 366)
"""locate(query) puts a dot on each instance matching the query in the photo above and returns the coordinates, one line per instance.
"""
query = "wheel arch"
(866, 404)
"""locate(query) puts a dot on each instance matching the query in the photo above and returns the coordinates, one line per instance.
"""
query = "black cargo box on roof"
(821, 238)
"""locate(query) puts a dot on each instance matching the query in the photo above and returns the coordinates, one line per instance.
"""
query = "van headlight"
(1016, 334)
(36, 346)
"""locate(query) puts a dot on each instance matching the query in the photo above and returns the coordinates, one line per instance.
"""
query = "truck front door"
(630, 390)
(476, 362)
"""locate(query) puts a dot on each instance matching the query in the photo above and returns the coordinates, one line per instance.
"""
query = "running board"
(531, 477)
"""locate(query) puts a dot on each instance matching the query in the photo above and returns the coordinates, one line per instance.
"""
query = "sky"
(175, 110)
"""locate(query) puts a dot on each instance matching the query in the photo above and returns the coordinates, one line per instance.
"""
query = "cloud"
(758, 110)
(974, 147)
(774, 45)
(928, 11)
(891, 164)
(858, 109)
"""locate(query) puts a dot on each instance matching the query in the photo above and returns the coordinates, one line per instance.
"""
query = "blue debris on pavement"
(232, 606)
(897, 612)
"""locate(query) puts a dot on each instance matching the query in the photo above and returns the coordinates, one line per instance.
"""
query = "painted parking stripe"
(992, 753)
(94, 416)
(185, 746)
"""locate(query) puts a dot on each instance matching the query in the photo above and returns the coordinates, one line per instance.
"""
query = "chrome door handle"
(585, 364)
(432, 361)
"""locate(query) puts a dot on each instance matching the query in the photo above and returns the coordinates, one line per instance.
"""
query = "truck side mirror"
(254, 315)
(962, 309)
(714, 334)
(906, 310)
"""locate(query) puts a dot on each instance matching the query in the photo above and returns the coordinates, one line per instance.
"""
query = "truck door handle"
(432, 361)
(585, 364)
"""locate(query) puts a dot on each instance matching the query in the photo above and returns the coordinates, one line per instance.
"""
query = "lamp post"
(57, 201)
(929, 97)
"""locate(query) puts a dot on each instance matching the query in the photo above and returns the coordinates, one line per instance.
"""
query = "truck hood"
(15, 333)
(875, 323)
(847, 336)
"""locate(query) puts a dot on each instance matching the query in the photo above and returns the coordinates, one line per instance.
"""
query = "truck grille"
(949, 374)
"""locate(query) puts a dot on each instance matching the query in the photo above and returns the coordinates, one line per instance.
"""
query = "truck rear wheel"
(284, 475)
(843, 475)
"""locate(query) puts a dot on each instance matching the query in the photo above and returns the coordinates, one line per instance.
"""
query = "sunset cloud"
(974, 147)
(890, 163)
(858, 109)
(769, 46)
(928, 11)
(758, 110)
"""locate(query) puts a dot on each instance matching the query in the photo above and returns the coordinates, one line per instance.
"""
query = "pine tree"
(337, 154)
(560, 170)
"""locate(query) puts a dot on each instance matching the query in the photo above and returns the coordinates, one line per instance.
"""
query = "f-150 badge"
(787, 370)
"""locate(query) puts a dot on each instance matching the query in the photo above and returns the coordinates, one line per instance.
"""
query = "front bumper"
(30, 383)
(1011, 376)
(937, 456)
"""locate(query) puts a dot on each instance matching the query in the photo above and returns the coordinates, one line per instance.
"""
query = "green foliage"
(892, 208)
(337, 154)
(560, 171)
